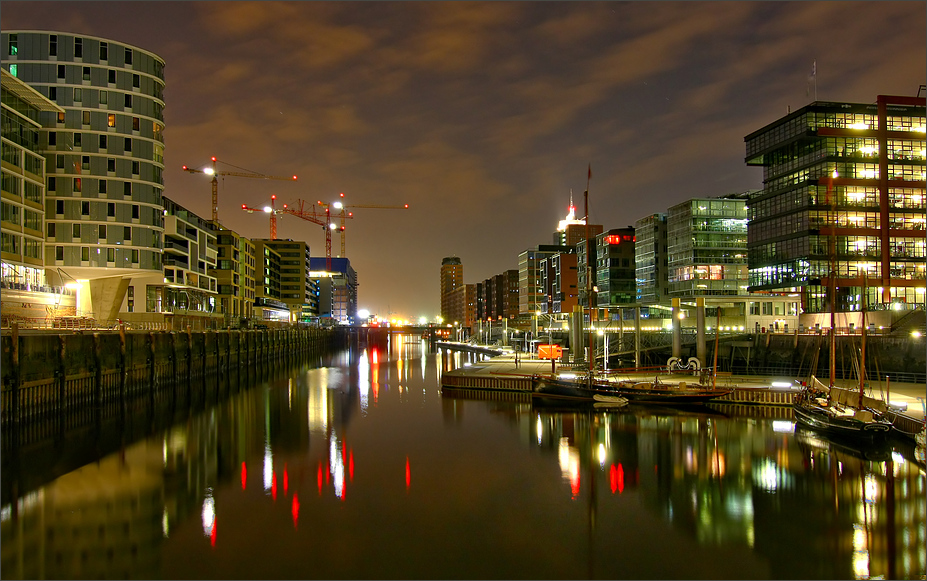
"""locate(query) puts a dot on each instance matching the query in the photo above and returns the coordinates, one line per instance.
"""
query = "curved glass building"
(104, 160)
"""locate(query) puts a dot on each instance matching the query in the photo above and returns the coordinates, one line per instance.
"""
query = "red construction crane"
(215, 181)
(340, 206)
(299, 212)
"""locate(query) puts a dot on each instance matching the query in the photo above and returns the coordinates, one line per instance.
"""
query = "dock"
(507, 371)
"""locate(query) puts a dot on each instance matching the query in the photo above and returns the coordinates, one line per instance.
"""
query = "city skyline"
(484, 116)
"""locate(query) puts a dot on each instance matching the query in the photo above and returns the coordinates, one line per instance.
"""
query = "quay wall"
(58, 375)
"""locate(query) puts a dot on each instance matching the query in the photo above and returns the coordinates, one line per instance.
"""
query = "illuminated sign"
(619, 238)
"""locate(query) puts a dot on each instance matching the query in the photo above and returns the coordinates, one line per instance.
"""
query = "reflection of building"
(843, 191)
(104, 160)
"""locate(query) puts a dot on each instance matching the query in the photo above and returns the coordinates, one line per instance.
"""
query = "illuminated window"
(13, 46)
(111, 120)
(14, 70)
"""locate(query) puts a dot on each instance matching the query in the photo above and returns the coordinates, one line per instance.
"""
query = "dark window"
(59, 252)
(78, 140)
(110, 255)
(104, 51)
(51, 229)
(86, 72)
(128, 56)
(102, 186)
(52, 184)
(103, 98)
(53, 45)
(127, 189)
(52, 93)
(111, 210)
(128, 100)
(75, 231)
(134, 210)
(59, 207)
(52, 138)
(60, 71)
(78, 47)
(136, 81)
(112, 76)
(85, 162)
(103, 142)
(127, 233)
(111, 164)
(128, 144)
(85, 253)
(85, 208)
(102, 232)
(135, 167)
(135, 123)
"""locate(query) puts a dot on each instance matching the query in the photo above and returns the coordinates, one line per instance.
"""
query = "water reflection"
(309, 474)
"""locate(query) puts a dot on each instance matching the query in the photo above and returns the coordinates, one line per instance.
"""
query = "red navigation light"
(184, 167)
(294, 178)
(214, 159)
(273, 197)
(407, 205)
(244, 207)
(341, 194)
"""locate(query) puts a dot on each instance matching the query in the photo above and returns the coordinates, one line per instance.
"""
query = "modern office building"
(451, 280)
(22, 266)
(706, 241)
(650, 258)
(298, 288)
(842, 208)
(337, 289)
(559, 282)
(500, 296)
(234, 273)
(104, 159)
(532, 295)
(615, 271)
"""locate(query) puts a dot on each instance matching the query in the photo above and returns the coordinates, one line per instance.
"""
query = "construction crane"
(342, 214)
(215, 181)
(272, 210)
(300, 212)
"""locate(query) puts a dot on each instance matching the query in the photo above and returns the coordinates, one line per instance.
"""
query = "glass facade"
(104, 150)
(707, 247)
(843, 198)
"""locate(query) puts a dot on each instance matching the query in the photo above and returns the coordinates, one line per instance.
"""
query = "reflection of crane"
(215, 181)
(342, 207)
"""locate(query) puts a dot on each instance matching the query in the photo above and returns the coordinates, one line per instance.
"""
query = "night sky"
(484, 116)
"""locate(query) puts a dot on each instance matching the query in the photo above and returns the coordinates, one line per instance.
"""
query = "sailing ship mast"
(832, 282)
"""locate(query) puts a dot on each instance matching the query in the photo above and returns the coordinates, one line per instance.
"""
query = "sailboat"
(834, 410)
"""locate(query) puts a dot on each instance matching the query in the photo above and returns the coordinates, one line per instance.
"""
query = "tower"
(451, 279)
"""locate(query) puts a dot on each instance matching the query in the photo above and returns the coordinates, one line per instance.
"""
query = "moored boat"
(839, 412)
(649, 392)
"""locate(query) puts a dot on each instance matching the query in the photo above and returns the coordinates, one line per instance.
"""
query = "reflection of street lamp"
(74, 286)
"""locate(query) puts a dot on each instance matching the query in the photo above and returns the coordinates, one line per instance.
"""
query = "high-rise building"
(559, 283)
(706, 242)
(842, 205)
(650, 258)
(104, 158)
(615, 277)
(451, 279)
(23, 205)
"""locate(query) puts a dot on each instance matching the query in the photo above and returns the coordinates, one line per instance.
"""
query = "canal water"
(356, 466)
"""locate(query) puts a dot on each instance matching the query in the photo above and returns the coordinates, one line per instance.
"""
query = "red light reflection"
(286, 480)
(320, 479)
(574, 484)
(616, 478)
(351, 465)
(408, 474)
(212, 534)
(273, 486)
(244, 476)
(295, 509)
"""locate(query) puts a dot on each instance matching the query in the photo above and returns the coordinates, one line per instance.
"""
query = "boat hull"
(817, 418)
(634, 393)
